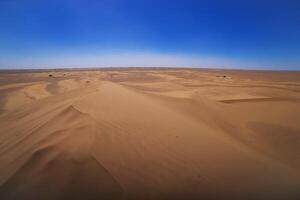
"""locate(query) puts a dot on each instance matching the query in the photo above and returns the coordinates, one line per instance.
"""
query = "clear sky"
(261, 34)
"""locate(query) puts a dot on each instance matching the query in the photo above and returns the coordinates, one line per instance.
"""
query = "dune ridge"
(105, 138)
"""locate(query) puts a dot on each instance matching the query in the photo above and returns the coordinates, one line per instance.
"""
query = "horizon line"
(143, 67)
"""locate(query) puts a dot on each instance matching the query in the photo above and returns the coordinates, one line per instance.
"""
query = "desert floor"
(149, 134)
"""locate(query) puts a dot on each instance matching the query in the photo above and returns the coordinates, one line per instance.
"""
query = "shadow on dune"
(52, 175)
(280, 142)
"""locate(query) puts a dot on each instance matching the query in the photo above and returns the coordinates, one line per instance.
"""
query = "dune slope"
(106, 141)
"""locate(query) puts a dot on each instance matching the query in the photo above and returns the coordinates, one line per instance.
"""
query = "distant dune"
(149, 134)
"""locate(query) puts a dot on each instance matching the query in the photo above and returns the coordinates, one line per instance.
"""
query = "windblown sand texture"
(149, 134)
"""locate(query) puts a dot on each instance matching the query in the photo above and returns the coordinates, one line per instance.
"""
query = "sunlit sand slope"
(97, 138)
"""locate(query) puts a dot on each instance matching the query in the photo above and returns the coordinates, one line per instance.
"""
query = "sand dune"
(149, 134)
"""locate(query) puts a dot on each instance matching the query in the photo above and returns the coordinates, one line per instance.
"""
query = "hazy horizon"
(215, 34)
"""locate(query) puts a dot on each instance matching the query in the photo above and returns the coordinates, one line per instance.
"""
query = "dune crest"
(114, 139)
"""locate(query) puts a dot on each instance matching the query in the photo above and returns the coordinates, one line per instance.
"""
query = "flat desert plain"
(149, 134)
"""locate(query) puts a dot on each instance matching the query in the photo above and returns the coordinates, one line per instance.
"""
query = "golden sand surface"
(149, 134)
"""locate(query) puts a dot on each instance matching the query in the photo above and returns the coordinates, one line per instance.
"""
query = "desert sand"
(149, 134)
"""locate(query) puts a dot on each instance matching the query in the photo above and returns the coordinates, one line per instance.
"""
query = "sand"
(149, 134)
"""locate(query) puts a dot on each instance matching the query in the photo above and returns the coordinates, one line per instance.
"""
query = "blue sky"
(261, 34)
